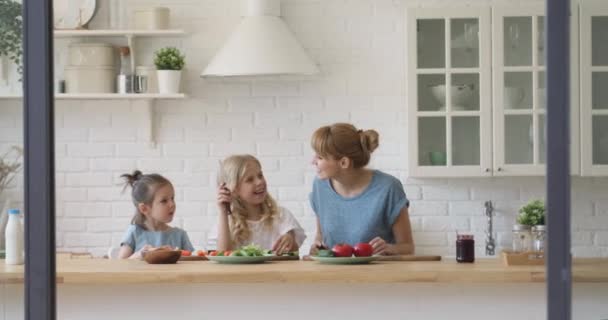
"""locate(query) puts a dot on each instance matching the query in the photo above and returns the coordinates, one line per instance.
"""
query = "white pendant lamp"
(261, 45)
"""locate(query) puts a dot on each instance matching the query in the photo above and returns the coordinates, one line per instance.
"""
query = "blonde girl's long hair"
(232, 172)
(143, 188)
(345, 140)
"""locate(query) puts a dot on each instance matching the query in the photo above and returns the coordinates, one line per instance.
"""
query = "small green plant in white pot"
(169, 64)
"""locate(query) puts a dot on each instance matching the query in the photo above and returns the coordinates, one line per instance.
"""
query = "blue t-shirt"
(137, 237)
(363, 217)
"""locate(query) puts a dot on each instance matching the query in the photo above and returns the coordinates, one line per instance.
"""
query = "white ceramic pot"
(168, 81)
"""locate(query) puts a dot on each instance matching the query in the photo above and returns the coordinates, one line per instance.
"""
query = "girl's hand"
(284, 244)
(316, 246)
(139, 254)
(381, 247)
(224, 198)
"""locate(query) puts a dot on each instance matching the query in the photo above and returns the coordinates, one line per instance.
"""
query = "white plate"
(239, 259)
(70, 14)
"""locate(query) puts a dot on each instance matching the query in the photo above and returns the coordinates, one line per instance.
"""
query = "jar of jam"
(465, 248)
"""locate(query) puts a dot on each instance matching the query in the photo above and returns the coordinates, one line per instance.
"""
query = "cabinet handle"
(487, 170)
(499, 169)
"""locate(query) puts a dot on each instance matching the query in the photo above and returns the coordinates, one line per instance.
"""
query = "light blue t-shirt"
(137, 237)
(363, 217)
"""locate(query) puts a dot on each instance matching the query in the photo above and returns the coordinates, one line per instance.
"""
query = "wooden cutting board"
(409, 258)
(397, 258)
(193, 258)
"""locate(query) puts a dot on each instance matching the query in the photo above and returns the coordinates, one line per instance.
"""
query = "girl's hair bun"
(131, 179)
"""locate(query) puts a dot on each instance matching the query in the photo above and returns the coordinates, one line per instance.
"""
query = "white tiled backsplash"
(360, 47)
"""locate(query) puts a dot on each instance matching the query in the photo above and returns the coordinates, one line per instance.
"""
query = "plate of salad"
(247, 254)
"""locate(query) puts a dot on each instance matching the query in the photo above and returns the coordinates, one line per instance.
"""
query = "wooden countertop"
(102, 271)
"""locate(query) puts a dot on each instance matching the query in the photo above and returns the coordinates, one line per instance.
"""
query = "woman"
(353, 203)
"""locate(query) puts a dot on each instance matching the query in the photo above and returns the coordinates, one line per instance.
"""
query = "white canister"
(151, 77)
(156, 18)
(91, 54)
(89, 79)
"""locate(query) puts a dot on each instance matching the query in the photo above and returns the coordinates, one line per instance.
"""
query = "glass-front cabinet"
(449, 92)
(519, 94)
(476, 91)
(594, 88)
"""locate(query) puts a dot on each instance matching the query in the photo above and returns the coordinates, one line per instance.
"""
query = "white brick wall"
(360, 46)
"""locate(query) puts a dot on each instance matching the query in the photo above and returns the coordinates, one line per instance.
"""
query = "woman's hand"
(381, 247)
(284, 244)
(224, 198)
(316, 246)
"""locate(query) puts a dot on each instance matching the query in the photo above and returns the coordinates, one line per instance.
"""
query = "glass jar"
(465, 248)
(522, 238)
(539, 236)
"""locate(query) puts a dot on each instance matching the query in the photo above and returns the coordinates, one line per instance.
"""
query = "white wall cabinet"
(519, 101)
(491, 120)
(594, 87)
(448, 89)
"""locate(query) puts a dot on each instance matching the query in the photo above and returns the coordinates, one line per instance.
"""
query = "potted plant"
(169, 64)
(532, 214)
(531, 219)
(11, 29)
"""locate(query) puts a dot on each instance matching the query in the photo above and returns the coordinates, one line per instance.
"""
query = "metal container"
(125, 83)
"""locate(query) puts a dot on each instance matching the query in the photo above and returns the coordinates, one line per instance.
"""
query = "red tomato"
(227, 253)
(200, 253)
(363, 250)
(342, 250)
(186, 253)
(213, 253)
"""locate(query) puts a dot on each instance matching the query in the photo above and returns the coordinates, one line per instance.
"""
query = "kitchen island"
(126, 289)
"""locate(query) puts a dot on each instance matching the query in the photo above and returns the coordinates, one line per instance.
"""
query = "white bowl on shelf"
(461, 95)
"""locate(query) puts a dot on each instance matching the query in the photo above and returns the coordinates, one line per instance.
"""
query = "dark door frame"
(40, 273)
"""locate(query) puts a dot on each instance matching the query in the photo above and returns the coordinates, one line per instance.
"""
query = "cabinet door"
(449, 91)
(519, 103)
(594, 88)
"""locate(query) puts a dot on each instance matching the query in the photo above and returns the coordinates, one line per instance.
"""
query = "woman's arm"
(402, 230)
(318, 242)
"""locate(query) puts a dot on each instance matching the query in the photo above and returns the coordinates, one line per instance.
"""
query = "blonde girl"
(154, 200)
(353, 203)
(248, 214)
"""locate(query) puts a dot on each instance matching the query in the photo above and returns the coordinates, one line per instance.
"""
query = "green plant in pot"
(11, 29)
(532, 214)
(531, 217)
(169, 63)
